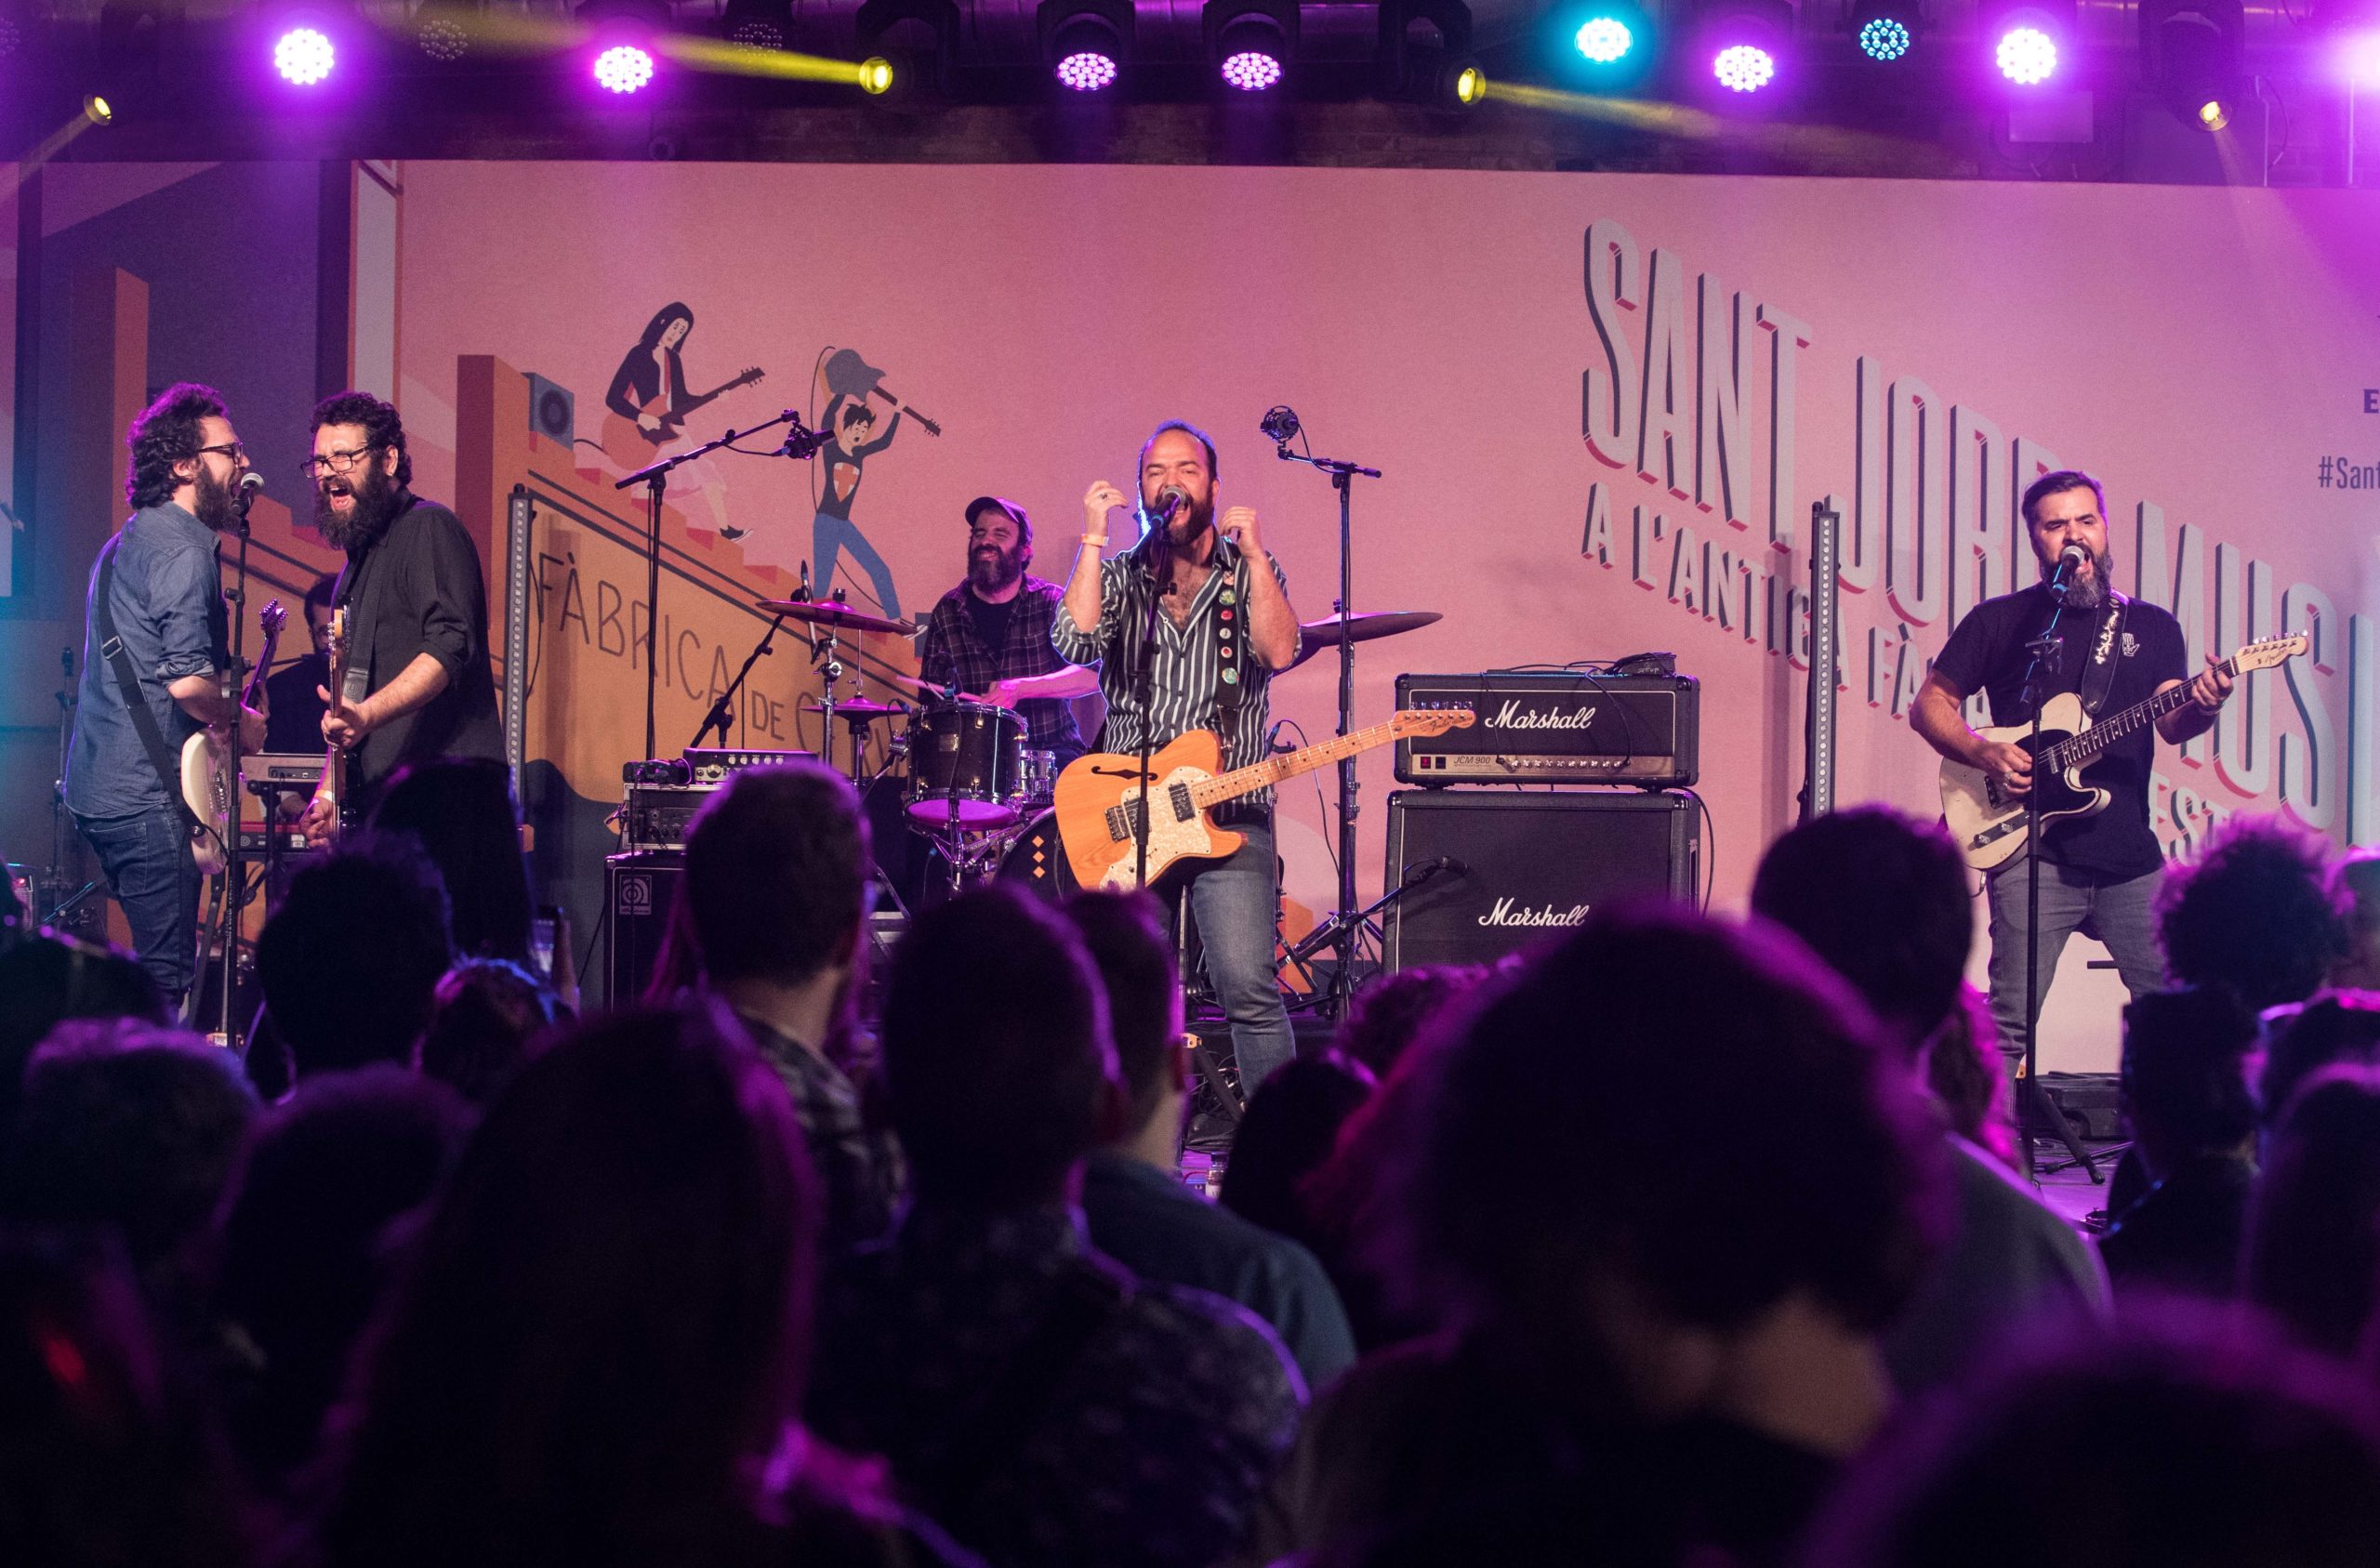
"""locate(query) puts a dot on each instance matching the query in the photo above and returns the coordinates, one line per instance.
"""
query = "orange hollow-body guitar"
(1099, 796)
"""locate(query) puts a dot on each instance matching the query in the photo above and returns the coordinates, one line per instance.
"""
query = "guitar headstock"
(337, 637)
(2270, 651)
(752, 375)
(1431, 720)
(272, 617)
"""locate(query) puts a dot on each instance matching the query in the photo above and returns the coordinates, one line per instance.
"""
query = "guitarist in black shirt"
(419, 680)
(2099, 872)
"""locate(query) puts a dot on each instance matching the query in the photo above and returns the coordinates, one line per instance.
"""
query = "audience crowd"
(1680, 1240)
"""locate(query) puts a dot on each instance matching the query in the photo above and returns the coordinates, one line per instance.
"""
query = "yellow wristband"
(1095, 540)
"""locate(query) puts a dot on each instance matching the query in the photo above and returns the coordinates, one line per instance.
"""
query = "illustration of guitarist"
(649, 404)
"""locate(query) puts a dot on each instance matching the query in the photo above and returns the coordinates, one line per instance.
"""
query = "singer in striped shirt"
(1224, 625)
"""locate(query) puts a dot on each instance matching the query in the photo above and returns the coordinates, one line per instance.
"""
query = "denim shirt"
(167, 599)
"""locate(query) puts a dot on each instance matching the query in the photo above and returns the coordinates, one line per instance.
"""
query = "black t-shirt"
(1987, 652)
(294, 691)
(991, 620)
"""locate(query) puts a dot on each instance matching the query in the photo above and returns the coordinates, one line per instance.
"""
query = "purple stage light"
(2027, 55)
(623, 68)
(1087, 71)
(1743, 68)
(1251, 71)
(303, 56)
(2363, 62)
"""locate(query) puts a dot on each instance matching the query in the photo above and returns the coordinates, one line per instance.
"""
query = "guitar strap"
(1231, 645)
(127, 680)
(2100, 676)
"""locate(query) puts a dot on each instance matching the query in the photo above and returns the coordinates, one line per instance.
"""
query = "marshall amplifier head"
(1563, 726)
(1496, 871)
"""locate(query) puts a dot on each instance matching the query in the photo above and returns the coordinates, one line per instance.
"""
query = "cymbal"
(858, 710)
(832, 613)
(1331, 630)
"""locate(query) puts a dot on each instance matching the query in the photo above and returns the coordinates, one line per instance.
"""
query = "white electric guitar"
(208, 788)
(1990, 825)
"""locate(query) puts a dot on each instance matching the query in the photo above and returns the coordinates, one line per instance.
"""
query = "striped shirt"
(1187, 674)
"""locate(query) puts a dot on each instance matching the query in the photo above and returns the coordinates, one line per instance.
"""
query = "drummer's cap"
(1015, 514)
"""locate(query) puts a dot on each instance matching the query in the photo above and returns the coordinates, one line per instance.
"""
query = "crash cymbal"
(832, 613)
(858, 710)
(1331, 630)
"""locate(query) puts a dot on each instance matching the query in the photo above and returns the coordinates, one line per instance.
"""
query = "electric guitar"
(208, 788)
(618, 431)
(346, 684)
(1990, 825)
(1100, 796)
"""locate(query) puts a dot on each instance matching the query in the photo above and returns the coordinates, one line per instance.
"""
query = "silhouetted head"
(2257, 913)
(349, 959)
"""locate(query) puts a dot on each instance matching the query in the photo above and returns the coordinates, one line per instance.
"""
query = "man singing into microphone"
(420, 684)
(1224, 626)
(2099, 873)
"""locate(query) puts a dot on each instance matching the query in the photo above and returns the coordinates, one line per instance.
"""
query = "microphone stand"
(2033, 1103)
(722, 711)
(234, 868)
(800, 443)
(1160, 558)
(1347, 922)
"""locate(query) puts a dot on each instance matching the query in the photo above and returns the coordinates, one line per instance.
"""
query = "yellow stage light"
(96, 109)
(875, 75)
(2212, 115)
(1471, 86)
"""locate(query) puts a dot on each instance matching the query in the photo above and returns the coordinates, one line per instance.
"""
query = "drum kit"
(964, 780)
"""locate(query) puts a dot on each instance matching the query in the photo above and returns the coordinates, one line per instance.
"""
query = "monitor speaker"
(639, 892)
(1497, 871)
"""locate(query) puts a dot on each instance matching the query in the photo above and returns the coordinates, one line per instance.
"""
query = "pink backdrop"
(2202, 350)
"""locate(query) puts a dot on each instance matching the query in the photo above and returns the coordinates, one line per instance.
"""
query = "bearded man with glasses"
(419, 681)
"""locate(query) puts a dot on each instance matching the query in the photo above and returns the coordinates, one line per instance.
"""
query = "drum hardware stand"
(721, 711)
(1327, 934)
(800, 443)
(1281, 424)
(2032, 1107)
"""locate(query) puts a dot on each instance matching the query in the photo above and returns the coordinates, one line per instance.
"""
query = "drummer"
(989, 637)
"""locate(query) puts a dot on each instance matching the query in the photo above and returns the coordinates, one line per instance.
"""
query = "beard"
(2087, 593)
(1192, 518)
(217, 505)
(991, 569)
(372, 507)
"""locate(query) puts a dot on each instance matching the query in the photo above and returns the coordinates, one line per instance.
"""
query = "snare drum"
(966, 761)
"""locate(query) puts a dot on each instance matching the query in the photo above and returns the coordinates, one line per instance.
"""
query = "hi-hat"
(833, 613)
(1331, 630)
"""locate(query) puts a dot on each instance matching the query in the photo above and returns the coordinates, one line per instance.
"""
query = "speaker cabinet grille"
(1527, 865)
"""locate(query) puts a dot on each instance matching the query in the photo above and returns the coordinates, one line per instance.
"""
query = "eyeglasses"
(233, 450)
(335, 463)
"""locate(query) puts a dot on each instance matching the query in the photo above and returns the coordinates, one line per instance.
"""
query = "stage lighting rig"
(1887, 30)
(759, 24)
(1086, 43)
(1251, 41)
(1744, 44)
(1425, 53)
(916, 39)
(2190, 54)
(2027, 42)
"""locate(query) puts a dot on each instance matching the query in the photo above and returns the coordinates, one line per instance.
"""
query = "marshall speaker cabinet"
(1563, 726)
(1496, 871)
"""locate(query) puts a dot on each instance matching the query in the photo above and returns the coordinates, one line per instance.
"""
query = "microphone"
(251, 486)
(1168, 501)
(800, 442)
(2068, 559)
(1279, 424)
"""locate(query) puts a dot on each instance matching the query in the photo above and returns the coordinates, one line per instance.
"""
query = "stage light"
(1885, 38)
(97, 111)
(444, 40)
(2026, 55)
(2212, 115)
(304, 56)
(1470, 85)
(1251, 41)
(623, 68)
(875, 76)
(757, 24)
(1604, 39)
(1743, 68)
(2361, 57)
(1085, 42)
(1251, 71)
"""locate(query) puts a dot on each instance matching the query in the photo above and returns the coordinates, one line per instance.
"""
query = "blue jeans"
(829, 535)
(1234, 902)
(149, 866)
(2118, 915)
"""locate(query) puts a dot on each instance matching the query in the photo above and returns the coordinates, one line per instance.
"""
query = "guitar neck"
(2079, 750)
(255, 688)
(1273, 770)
